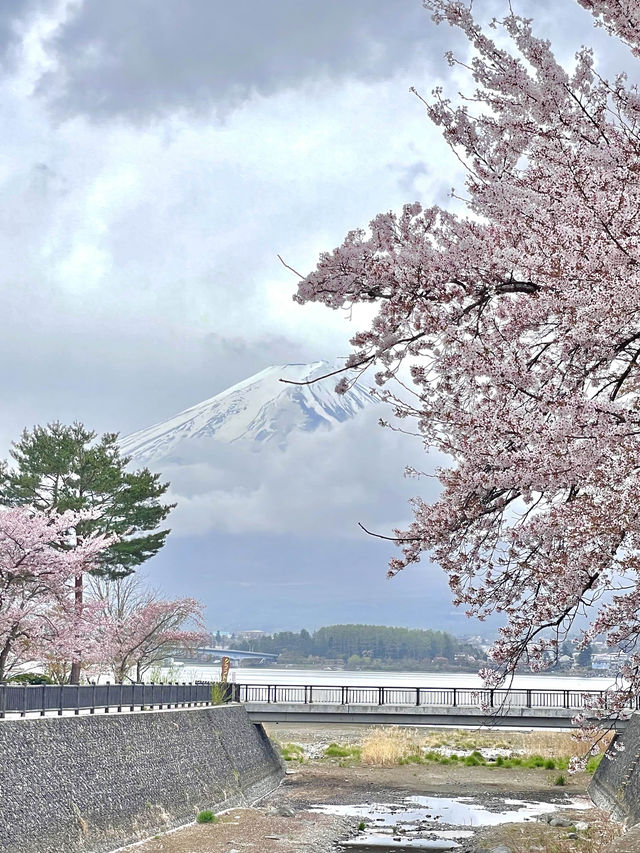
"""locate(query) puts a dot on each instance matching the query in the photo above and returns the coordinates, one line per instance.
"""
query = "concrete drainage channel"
(441, 823)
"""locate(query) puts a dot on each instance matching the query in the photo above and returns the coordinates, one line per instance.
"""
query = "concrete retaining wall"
(93, 783)
(615, 786)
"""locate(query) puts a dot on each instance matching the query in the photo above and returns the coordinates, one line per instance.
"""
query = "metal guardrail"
(420, 697)
(40, 698)
(43, 698)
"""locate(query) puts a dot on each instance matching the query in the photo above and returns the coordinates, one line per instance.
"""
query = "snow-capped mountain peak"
(260, 409)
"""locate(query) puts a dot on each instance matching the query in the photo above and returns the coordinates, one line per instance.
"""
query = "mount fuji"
(261, 410)
(270, 480)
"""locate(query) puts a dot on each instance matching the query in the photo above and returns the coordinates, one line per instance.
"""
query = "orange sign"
(224, 671)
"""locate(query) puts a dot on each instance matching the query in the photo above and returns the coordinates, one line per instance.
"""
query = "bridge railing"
(42, 698)
(420, 697)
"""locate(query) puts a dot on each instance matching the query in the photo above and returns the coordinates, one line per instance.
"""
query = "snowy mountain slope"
(260, 409)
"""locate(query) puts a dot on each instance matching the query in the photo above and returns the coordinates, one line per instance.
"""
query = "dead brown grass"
(553, 744)
(546, 743)
(389, 745)
(522, 838)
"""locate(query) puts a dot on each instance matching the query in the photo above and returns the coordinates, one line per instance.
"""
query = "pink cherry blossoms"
(519, 325)
(116, 628)
(142, 628)
(36, 577)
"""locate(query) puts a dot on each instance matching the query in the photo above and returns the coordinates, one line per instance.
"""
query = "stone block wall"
(616, 783)
(94, 783)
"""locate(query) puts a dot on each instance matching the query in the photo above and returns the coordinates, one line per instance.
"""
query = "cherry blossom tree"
(76, 635)
(517, 322)
(142, 629)
(36, 581)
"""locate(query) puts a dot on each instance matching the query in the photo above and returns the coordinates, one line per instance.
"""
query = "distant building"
(250, 635)
(607, 661)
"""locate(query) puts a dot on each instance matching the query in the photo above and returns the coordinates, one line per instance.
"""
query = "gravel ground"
(256, 829)
(283, 822)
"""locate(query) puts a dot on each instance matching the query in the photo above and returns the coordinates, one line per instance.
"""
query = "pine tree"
(57, 468)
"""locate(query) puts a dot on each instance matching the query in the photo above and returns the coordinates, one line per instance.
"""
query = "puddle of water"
(465, 811)
(384, 844)
(402, 826)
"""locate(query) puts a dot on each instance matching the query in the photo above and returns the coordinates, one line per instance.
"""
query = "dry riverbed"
(324, 800)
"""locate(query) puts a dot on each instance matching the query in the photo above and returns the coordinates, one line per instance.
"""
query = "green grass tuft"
(337, 750)
(292, 752)
(206, 817)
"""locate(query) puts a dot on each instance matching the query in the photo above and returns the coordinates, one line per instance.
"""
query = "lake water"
(256, 675)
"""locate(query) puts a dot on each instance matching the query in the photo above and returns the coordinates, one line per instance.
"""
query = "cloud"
(141, 59)
(139, 267)
(157, 156)
(16, 18)
(328, 481)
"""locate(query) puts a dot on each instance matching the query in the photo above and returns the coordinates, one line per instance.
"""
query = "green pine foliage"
(57, 467)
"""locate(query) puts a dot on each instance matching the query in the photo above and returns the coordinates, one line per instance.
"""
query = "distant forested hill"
(365, 646)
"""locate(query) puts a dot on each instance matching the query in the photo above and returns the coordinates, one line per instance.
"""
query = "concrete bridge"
(430, 706)
(234, 655)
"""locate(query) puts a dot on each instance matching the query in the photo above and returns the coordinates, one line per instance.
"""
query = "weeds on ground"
(292, 752)
(219, 693)
(164, 675)
(337, 750)
(551, 744)
(388, 746)
(206, 817)
(523, 838)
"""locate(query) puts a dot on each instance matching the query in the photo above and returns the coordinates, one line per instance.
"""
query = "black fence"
(57, 698)
(421, 697)
(42, 698)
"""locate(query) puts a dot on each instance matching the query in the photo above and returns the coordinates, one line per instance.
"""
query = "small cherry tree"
(74, 635)
(519, 325)
(143, 629)
(36, 581)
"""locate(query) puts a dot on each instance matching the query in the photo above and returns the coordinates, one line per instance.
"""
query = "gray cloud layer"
(156, 156)
(135, 59)
(327, 480)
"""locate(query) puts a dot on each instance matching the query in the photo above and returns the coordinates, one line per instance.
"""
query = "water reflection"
(419, 823)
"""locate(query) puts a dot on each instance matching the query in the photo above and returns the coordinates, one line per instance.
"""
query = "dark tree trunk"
(4, 654)
(76, 665)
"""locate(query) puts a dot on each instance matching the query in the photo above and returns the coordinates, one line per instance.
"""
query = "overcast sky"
(158, 155)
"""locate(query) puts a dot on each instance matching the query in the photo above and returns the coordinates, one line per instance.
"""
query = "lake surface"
(256, 675)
